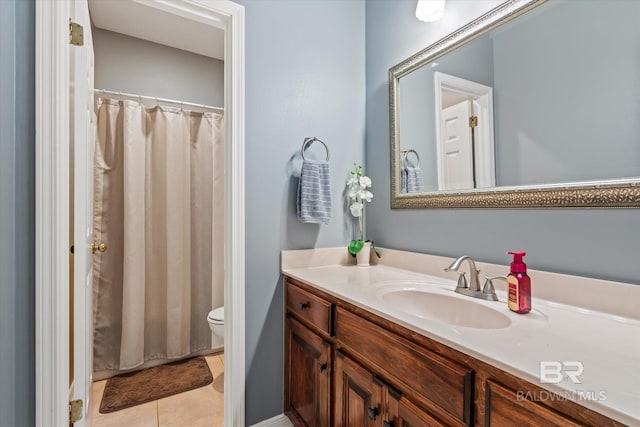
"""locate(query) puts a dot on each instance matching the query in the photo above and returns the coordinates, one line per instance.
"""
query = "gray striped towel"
(403, 180)
(414, 180)
(314, 192)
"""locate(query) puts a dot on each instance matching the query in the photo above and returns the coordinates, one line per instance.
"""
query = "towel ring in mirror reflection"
(405, 153)
(310, 140)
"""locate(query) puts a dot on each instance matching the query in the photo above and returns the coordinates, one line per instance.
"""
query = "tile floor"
(202, 407)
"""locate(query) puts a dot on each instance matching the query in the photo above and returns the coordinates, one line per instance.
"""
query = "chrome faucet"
(473, 290)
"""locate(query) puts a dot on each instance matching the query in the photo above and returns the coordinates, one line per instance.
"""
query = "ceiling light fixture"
(430, 10)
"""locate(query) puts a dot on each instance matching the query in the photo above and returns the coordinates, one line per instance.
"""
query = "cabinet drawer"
(309, 308)
(407, 414)
(421, 372)
(505, 408)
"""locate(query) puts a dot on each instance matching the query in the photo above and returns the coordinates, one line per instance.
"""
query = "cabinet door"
(358, 396)
(403, 413)
(308, 368)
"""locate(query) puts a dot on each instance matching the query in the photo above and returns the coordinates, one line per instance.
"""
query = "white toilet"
(216, 321)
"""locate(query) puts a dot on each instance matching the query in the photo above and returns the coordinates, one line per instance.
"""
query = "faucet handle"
(488, 287)
(462, 281)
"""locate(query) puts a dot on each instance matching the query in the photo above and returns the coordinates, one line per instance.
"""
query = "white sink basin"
(450, 309)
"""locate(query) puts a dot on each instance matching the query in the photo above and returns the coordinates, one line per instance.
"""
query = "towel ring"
(405, 153)
(310, 140)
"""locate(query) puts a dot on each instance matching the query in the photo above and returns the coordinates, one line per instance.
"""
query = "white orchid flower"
(365, 181)
(366, 195)
(357, 193)
(356, 209)
(353, 193)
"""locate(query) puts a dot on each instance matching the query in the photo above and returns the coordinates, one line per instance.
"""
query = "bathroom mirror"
(534, 104)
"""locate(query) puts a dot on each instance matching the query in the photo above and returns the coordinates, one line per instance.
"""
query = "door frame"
(52, 202)
(484, 139)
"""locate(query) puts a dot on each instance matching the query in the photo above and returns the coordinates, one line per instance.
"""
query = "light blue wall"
(17, 233)
(596, 243)
(304, 77)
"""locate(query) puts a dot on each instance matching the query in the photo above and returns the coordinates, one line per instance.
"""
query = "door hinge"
(75, 411)
(76, 33)
(473, 121)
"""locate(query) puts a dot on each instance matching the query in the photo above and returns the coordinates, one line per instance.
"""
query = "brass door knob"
(102, 247)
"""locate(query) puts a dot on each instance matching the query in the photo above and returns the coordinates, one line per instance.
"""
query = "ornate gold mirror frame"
(618, 193)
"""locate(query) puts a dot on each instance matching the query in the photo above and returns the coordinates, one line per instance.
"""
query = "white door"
(456, 148)
(82, 142)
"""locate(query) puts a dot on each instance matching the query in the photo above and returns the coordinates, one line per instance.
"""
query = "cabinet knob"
(303, 305)
(322, 367)
(373, 412)
(387, 423)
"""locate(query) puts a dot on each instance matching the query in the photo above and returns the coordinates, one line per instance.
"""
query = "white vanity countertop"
(607, 345)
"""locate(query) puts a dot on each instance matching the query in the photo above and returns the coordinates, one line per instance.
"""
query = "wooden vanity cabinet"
(347, 367)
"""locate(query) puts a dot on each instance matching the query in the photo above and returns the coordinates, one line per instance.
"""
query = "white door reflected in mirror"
(456, 147)
(464, 133)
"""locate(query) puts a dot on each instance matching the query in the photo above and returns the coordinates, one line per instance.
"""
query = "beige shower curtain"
(159, 183)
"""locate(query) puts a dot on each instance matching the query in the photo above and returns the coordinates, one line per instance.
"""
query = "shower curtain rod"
(157, 99)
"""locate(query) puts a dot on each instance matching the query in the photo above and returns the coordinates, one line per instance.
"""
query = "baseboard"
(278, 421)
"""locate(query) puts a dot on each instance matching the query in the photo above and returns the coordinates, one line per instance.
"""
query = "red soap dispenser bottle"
(519, 285)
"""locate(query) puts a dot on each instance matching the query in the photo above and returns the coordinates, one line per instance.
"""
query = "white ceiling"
(134, 18)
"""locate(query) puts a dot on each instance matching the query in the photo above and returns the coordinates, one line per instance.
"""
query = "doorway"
(52, 194)
(464, 133)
